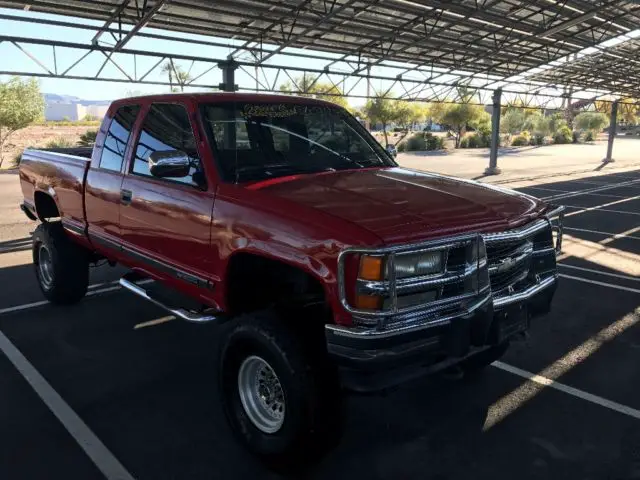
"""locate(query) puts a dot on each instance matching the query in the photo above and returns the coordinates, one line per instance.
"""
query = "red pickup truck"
(331, 267)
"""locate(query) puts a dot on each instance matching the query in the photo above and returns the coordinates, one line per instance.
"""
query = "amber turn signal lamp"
(368, 302)
(370, 268)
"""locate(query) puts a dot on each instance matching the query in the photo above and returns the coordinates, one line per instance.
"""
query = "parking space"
(147, 388)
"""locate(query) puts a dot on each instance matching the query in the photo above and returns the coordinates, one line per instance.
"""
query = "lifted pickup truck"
(331, 267)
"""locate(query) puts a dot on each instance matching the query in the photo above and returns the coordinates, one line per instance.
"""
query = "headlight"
(417, 264)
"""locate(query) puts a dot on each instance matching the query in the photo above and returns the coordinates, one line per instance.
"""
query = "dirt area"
(39, 136)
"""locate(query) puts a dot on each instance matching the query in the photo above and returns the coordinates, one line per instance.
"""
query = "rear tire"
(266, 367)
(61, 266)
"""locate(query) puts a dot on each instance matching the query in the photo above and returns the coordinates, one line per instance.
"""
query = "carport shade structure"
(538, 53)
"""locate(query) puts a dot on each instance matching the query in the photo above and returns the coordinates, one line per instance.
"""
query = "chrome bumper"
(364, 332)
(530, 292)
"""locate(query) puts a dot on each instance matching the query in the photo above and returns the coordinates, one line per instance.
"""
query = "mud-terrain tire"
(61, 266)
(267, 365)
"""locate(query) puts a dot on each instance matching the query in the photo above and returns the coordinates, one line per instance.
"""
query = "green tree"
(176, 74)
(309, 86)
(382, 110)
(459, 116)
(591, 121)
(512, 122)
(20, 105)
(557, 121)
(436, 111)
(408, 113)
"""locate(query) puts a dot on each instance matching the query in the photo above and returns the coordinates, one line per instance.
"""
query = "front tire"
(61, 267)
(278, 397)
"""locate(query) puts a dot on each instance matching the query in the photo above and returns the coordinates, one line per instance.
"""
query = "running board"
(177, 312)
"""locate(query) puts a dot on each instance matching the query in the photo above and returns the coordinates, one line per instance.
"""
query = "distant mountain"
(50, 98)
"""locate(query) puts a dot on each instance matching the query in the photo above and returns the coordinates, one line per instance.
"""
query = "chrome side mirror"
(169, 164)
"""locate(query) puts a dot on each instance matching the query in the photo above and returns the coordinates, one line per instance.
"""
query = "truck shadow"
(15, 245)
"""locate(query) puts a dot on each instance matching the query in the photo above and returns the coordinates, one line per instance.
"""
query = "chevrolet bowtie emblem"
(505, 264)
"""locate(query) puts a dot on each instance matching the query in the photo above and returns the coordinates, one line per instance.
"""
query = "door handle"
(126, 196)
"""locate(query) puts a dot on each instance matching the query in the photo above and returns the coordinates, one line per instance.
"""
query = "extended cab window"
(257, 141)
(115, 143)
(166, 127)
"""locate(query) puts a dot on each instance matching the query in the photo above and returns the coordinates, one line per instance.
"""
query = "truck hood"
(400, 205)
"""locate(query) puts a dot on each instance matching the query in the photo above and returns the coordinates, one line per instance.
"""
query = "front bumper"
(371, 360)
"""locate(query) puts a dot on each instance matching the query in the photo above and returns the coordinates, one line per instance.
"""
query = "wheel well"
(45, 206)
(255, 282)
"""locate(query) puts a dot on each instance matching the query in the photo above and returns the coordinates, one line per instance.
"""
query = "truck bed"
(58, 173)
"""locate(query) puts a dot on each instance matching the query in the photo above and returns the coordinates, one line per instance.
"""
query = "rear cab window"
(117, 138)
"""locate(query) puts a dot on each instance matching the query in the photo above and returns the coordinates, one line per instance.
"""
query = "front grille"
(510, 278)
(515, 264)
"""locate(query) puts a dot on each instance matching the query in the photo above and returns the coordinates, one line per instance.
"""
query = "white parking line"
(608, 195)
(153, 323)
(592, 270)
(590, 209)
(614, 236)
(93, 290)
(602, 284)
(592, 190)
(601, 208)
(547, 382)
(547, 189)
(99, 454)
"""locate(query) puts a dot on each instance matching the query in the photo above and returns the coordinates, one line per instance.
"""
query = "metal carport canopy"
(540, 48)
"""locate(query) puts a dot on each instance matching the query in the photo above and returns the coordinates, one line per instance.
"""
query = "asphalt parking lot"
(141, 395)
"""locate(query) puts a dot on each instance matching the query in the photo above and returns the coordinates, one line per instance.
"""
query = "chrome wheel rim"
(261, 394)
(45, 266)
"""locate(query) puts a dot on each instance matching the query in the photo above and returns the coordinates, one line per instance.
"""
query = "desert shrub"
(88, 138)
(591, 121)
(420, 142)
(575, 136)
(563, 135)
(524, 138)
(475, 140)
(15, 161)
(60, 142)
(589, 137)
(537, 140)
(416, 143)
(433, 142)
(520, 141)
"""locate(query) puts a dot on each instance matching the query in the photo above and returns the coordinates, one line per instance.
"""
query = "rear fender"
(46, 203)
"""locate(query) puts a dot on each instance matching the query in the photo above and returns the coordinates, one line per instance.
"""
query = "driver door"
(166, 222)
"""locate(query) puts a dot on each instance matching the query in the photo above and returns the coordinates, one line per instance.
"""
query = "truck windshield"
(258, 141)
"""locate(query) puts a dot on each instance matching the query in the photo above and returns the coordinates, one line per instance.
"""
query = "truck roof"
(203, 97)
